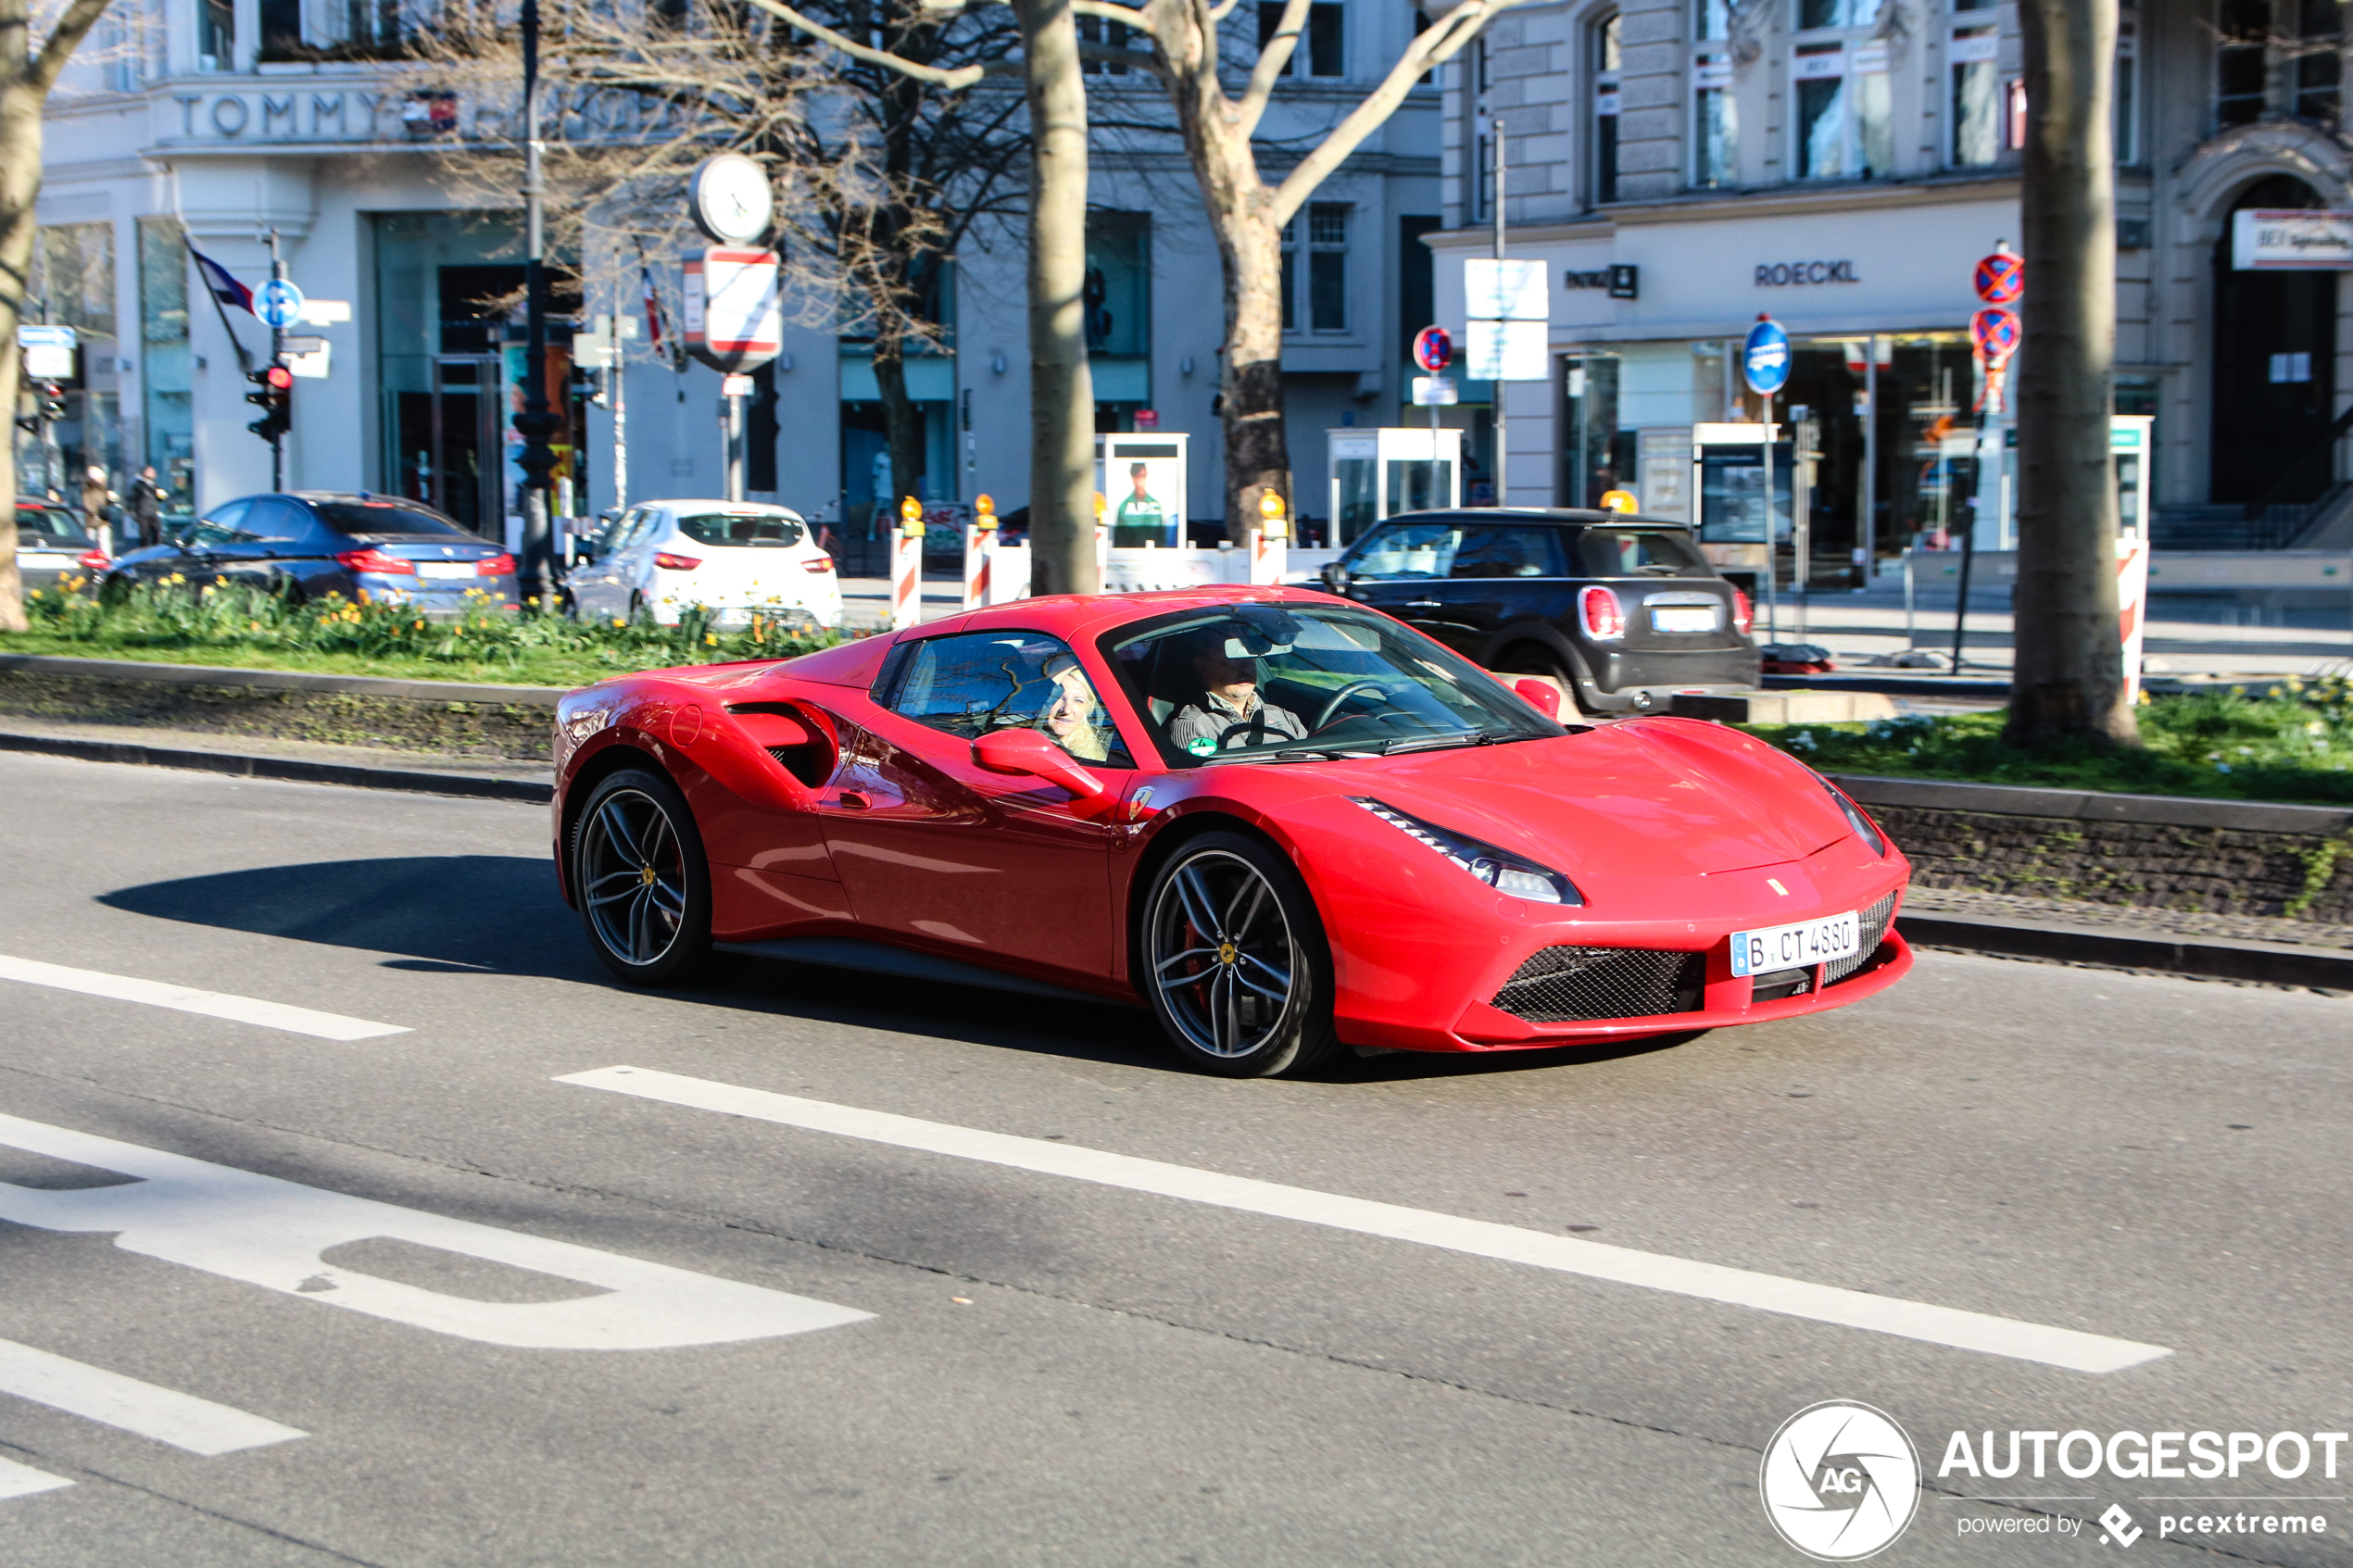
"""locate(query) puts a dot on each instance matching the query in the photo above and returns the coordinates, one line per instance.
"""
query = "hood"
(1649, 797)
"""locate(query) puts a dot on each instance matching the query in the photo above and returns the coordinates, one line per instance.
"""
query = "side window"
(223, 524)
(984, 681)
(1408, 550)
(275, 522)
(1525, 551)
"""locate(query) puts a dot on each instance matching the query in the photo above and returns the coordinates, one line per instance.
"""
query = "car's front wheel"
(641, 879)
(1235, 964)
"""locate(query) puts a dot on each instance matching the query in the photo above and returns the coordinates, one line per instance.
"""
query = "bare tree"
(1219, 110)
(1062, 397)
(2069, 676)
(28, 70)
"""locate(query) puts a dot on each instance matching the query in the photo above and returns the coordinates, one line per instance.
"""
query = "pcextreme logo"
(1840, 1480)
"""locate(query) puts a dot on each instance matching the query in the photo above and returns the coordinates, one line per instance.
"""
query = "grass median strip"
(2069, 1349)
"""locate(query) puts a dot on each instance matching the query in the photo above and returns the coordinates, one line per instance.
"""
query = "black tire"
(1233, 961)
(641, 879)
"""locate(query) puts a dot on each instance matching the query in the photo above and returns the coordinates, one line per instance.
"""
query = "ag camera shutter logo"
(1840, 1480)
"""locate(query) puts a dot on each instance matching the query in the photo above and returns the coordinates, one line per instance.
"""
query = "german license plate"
(445, 569)
(1683, 618)
(1801, 946)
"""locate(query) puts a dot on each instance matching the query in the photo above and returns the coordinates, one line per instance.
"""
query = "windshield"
(383, 516)
(50, 528)
(1288, 682)
(741, 528)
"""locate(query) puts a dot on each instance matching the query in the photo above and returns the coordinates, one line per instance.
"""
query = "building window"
(1289, 280)
(1327, 265)
(2128, 93)
(2319, 59)
(1095, 30)
(1975, 59)
(1715, 126)
(355, 30)
(215, 35)
(1322, 49)
(2242, 29)
(1606, 77)
(1846, 129)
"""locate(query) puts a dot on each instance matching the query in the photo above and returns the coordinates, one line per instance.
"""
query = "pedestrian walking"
(145, 523)
(95, 501)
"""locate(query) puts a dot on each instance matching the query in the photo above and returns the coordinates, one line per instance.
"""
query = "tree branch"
(1435, 47)
(954, 80)
(64, 39)
(1110, 10)
(1272, 60)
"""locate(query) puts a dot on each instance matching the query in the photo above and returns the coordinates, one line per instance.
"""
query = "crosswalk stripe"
(2067, 1348)
(23, 1481)
(186, 999)
(167, 1416)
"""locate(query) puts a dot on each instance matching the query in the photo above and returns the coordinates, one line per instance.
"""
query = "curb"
(238, 764)
(2095, 806)
(280, 680)
(2268, 964)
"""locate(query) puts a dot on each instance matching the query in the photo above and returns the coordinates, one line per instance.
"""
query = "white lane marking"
(1711, 1282)
(181, 1419)
(22, 1480)
(270, 1233)
(186, 999)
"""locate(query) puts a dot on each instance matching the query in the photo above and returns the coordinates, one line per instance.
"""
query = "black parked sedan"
(310, 544)
(1624, 610)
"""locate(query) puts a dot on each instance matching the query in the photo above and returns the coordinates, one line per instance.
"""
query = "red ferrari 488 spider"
(1285, 823)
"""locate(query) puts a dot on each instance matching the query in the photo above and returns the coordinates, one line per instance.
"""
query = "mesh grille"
(1569, 985)
(1874, 932)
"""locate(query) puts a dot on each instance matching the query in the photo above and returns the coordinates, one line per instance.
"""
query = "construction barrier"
(907, 567)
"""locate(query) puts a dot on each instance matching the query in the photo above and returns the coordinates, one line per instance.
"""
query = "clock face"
(731, 199)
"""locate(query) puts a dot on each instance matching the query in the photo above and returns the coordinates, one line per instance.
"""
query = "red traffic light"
(279, 377)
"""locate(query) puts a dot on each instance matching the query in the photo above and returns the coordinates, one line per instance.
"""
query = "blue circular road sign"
(278, 303)
(1765, 357)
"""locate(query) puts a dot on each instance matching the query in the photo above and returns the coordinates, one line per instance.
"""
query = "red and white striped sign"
(735, 311)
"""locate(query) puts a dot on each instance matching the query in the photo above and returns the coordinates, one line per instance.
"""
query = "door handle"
(1424, 603)
(853, 800)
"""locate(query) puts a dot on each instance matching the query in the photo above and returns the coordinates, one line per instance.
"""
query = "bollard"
(1269, 542)
(980, 553)
(907, 566)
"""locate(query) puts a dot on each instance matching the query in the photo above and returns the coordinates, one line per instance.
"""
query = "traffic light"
(53, 401)
(274, 398)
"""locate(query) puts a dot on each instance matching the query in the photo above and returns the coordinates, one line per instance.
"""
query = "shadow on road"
(501, 914)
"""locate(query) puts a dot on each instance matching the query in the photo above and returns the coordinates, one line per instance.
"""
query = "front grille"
(1569, 985)
(1874, 932)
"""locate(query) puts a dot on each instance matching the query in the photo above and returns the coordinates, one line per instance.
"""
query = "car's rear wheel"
(641, 879)
(1235, 964)
(1529, 658)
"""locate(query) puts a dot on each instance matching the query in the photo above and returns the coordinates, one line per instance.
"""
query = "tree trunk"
(20, 187)
(1257, 449)
(903, 426)
(1061, 391)
(2069, 678)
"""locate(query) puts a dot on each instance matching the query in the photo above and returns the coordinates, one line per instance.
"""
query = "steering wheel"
(1339, 699)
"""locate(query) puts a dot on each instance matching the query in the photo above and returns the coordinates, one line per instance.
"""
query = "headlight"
(1500, 869)
(1860, 822)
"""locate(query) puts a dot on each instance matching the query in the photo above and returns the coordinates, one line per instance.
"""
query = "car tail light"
(495, 566)
(1743, 612)
(94, 560)
(1605, 617)
(818, 563)
(375, 560)
(669, 562)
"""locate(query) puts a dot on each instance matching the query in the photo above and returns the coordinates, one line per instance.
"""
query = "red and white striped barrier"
(980, 556)
(1269, 542)
(907, 567)
(2131, 608)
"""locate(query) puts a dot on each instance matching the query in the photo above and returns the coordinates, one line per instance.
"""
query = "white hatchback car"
(736, 559)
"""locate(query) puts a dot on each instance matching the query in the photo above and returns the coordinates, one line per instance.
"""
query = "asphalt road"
(583, 1324)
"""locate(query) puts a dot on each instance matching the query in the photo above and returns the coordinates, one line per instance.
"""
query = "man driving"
(1231, 712)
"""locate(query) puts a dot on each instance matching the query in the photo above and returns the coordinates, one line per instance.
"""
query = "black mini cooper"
(1623, 610)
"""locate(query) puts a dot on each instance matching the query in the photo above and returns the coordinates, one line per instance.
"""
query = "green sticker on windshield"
(1200, 746)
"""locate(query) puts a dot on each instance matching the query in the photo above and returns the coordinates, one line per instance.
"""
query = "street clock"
(730, 199)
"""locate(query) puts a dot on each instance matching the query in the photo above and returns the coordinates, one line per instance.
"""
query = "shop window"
(1117, 291)
(1327, 265)
(2320, 60)
(1606, 62)
(1322, 47)
(74, 277)
(2243, 33)
(169, 425)
(1974, 57)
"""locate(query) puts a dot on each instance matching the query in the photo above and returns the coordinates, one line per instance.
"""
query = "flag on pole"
(653, 312)
(225, 288)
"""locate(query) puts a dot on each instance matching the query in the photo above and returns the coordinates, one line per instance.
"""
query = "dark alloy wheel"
(640, 879)
(1234, 960)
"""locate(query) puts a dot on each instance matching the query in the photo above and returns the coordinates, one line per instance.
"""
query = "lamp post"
(537, 422)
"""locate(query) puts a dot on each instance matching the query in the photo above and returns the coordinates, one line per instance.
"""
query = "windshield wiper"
(1287, 754)
(1461, 737)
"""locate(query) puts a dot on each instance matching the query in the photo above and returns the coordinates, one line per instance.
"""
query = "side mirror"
(1335, 576)
(1026, 752)
(1542, 696)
